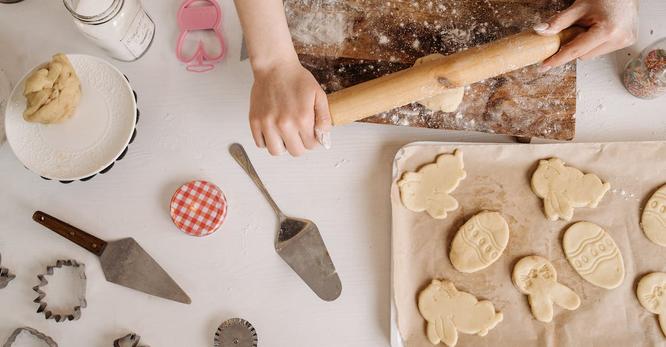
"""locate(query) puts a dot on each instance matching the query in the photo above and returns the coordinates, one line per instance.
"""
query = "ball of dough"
(449, 100)
(52, 92)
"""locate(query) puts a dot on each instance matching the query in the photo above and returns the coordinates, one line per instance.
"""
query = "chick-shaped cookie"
(537, 278)
(448, 310)
(429, 188)
(651, 293)
(563, 188)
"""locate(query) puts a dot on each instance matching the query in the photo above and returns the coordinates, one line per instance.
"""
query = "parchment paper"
(498, 178)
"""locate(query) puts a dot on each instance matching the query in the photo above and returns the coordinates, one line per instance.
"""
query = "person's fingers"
(307, 133)
(561, 20)
(601, 50)
(305, 125)
(255, 127)
(323, 122)
(291, 137)
(292, 140)
(273, 139)
(580, 46)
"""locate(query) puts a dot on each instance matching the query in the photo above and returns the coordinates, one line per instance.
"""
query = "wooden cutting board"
(345, 42)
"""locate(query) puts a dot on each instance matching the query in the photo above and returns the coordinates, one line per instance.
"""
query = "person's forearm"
(267, 36)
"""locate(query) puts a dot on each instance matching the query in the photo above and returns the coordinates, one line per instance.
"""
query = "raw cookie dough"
(651, 293)
(537, 278)
(594, 255)
(653, 220)
(448, 311)
(428, 188)
(562, 188)
(449, 100)
(479, 242)
(52, 92)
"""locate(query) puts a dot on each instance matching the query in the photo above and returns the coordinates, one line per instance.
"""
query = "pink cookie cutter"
(200, 15)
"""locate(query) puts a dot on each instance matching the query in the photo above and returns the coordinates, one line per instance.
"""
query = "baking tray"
(498, 177)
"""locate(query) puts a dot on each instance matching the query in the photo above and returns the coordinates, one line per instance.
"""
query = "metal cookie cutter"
(192, 16)
(235, 332)
(129, 340)
(43, 306)
(36, 334)
(5, 275)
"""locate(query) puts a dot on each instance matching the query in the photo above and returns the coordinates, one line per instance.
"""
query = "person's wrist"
(263, 63)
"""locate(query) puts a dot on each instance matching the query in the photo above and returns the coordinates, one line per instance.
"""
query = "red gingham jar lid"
(198, 208)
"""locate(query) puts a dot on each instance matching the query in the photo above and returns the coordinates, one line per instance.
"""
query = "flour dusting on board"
(377, 37)
(321, 25)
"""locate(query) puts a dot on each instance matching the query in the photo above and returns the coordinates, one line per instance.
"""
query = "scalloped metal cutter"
(298, 241)
(123, 261)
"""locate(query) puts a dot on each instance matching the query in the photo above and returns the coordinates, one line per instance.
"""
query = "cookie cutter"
(5, 275)
(43, 305)
(129, 340)
(195, 17)
(36, 334)
(235, 332)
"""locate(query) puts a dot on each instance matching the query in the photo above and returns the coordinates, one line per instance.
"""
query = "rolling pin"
(456, 70)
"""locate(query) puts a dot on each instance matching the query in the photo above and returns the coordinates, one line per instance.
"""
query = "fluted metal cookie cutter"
(43, 306)
(36, 334)
(5, 275)
(129, 340)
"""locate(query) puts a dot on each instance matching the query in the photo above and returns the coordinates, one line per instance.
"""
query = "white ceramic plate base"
(91, 139)
(4, 94)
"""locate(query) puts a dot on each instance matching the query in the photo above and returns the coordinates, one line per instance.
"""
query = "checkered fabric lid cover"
(198, 208)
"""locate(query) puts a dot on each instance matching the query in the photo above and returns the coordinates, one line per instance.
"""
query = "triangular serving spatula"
(298, 241)
(123, 261)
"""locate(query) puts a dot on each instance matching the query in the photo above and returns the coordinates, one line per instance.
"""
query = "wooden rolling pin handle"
(456, 70)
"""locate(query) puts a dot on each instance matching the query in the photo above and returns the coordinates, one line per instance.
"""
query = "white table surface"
(187, 122)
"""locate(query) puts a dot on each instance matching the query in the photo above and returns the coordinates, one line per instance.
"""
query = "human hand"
(288, 109)
(612, 25)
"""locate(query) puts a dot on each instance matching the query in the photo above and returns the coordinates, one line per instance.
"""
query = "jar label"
(139, 34)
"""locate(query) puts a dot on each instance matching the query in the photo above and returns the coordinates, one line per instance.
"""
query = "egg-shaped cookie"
(594, 255)
(479, 242)
(653, 220)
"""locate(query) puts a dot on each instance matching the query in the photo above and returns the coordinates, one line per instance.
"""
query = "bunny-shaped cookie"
(449, 311)
(536, 277)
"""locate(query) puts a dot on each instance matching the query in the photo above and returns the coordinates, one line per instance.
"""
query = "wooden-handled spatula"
(123, 261)
(456, 70)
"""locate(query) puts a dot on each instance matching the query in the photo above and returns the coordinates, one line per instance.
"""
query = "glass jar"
(645, 76)
(121, 27)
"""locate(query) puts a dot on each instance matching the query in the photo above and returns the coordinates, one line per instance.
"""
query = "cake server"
(123, 261)
(298, 241)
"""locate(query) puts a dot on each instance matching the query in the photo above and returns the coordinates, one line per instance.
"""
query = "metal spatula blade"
(300, 245)
(123, 261)
(298, 242)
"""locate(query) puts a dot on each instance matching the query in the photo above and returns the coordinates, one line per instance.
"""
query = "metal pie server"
(123, 261)
(298, 241)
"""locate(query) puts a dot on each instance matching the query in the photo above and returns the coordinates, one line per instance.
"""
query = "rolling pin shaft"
(431, 78)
